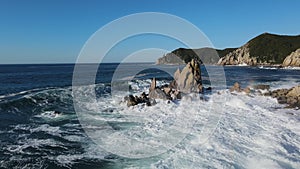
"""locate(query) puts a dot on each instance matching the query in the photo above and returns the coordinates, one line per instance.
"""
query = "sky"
(55, 31)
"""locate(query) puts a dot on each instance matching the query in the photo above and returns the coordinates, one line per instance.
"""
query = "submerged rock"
(261, 87)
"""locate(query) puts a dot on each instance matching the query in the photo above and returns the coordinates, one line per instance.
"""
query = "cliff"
(263, 49)
(293, 59)
(182, 55)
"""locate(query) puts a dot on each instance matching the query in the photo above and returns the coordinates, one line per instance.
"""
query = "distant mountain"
(182, 55)
(264, 49)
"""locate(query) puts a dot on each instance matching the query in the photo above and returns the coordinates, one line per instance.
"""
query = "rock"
(236, 87)
(171, 59)
(131, 101)
(240, 56)
(153, 85)
(167, 90)
(294, 92)
(189, 79)
(158, 94)
(173, 85)
(247, 90)
(175, 95)
(261, 87)
(293, 59)
(287, 96)
(177, 74)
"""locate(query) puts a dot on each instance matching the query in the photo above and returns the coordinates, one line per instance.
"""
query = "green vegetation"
(270, 48)
(267, 48)
(206, 55)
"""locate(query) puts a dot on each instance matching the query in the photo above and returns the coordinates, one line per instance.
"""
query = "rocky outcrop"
(186, 81)
(189, 79)
(293, 59)
(287, 96)
(239, 56)
(170, 58)
(237, 88)
(134, 100)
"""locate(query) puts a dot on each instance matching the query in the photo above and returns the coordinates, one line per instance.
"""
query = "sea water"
(39, 127)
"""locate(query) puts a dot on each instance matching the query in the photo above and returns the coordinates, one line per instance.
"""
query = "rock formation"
(170, 58)
(237, 88)
(186, 81)
(287, 96)
(238, 57)
(189, 79)
(293, 59)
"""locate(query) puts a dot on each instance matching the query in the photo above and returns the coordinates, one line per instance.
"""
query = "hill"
(264, 49)
(182, 55)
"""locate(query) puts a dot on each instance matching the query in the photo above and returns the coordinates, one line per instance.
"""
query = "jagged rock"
(239, 56)
(158, 94)
(130, 100)
(293, 59)
(189, 79)
(294, 92)
(167, 90)
(175, 94)
(236, 87)
(287, 96)
(153, 85)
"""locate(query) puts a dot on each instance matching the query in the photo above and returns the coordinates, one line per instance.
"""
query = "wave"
(241, 132)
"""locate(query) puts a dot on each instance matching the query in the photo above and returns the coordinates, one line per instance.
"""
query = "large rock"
(293, 59)
(239, 56)
(189, 79)
(158, 94)
(294, 92)
(287, 96)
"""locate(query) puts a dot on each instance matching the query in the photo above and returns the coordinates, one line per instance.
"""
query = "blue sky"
(54, 31)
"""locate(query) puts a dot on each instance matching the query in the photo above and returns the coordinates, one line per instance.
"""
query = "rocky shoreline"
(188, 80)
(289, 97)
(264, 50)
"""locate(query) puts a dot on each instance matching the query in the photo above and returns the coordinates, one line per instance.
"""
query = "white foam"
(291, 68)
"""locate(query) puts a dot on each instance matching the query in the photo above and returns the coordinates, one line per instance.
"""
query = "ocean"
(39, 127)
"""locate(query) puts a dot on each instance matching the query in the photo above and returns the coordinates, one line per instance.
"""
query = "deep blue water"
(30, 93)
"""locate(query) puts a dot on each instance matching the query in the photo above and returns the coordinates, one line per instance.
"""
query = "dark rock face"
(130, 100)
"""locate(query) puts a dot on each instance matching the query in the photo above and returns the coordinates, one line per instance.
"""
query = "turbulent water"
(242, 132)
